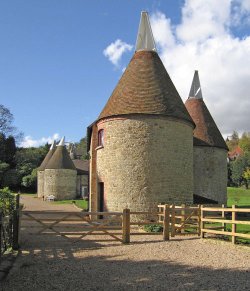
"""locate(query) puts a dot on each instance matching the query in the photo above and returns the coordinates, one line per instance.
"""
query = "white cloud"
(162, 30)
(203, 19)
(115, 51)
(204, 41)
(28, 141)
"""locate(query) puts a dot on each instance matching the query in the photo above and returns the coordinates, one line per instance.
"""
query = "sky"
(60, 60)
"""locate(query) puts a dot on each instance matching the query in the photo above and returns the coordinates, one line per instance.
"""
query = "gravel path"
(98, 263)
(31, 202)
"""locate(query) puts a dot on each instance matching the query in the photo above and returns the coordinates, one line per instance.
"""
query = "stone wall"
(40, 184)
(145, 160)
(210, 173)
(61, 183)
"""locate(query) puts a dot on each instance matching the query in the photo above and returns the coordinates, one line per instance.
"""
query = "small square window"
(100, 137)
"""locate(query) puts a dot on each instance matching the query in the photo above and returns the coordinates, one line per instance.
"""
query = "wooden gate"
(175, 220)
(74, 225)
(184, 220)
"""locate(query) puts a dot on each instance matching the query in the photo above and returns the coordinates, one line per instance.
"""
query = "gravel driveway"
(100, 263)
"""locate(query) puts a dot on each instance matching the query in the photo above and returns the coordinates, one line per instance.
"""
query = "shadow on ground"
(58, 264)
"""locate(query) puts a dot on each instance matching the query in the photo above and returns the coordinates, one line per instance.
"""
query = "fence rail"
(215, 215)
(175, 220)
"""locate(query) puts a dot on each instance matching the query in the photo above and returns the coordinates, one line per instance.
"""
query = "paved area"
(31, 202)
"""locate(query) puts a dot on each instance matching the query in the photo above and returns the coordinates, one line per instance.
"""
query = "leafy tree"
(238, 168)
(12, 179)
(7, 149)
(234, 141)
(244, 142)
(81, 149)
(246, 176)
(3, 169)
(27, 161)
(7, 201)
(30, 181)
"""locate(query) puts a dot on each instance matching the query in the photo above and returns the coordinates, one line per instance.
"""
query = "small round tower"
(142, 143)
(40, 170)
(210, 150)
(60, 175)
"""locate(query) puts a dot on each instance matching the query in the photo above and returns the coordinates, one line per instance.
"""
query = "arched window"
(100, 137)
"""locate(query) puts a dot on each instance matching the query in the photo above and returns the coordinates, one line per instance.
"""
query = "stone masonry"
(144, 154)
(209, 165)
(61, 183)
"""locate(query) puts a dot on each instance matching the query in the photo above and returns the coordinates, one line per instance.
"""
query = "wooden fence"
(9, 228)
(118, 225)
(212, 216)
(183, 220)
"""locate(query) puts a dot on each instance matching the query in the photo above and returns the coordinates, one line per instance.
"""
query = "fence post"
(233, 225)
(173, 221)
(202, 222)
(166, 221)
(16, 223)
(183, 217)
(223, 216)
(199, 219)
(126, 226)
(1, 220)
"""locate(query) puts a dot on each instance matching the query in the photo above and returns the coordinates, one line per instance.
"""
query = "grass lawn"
(238, 196)
(83, 204)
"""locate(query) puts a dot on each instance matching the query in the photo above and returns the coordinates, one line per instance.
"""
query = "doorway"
(101, 197)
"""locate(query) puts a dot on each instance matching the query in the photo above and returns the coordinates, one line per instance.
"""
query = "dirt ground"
(50, 262)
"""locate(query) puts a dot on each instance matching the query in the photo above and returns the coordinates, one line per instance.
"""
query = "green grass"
(238, 196)
(83, 204)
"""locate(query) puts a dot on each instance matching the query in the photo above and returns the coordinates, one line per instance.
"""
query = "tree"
(234, 141)
(81, 149)
(30, 181)
(6, 120)
(3, 169)
(246, 176)
(6, 124)
(238, 167)
(244, 142)
(27, 161)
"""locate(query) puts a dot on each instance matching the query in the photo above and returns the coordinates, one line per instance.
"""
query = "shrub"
(153, 228)
(7, 201)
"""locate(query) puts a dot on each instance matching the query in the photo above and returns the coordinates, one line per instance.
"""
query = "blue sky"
(55, 77)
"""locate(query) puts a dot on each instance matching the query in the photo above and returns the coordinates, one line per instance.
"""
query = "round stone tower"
(142, 143)
(210, 151)
(60, 175)
(40, 170)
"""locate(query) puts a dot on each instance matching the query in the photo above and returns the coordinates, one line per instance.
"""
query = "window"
(100, 137)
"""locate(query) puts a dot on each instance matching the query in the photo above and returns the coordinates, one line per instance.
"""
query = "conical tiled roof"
(145, 87)
(47, 157)
(206, 131)
(61, 158)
